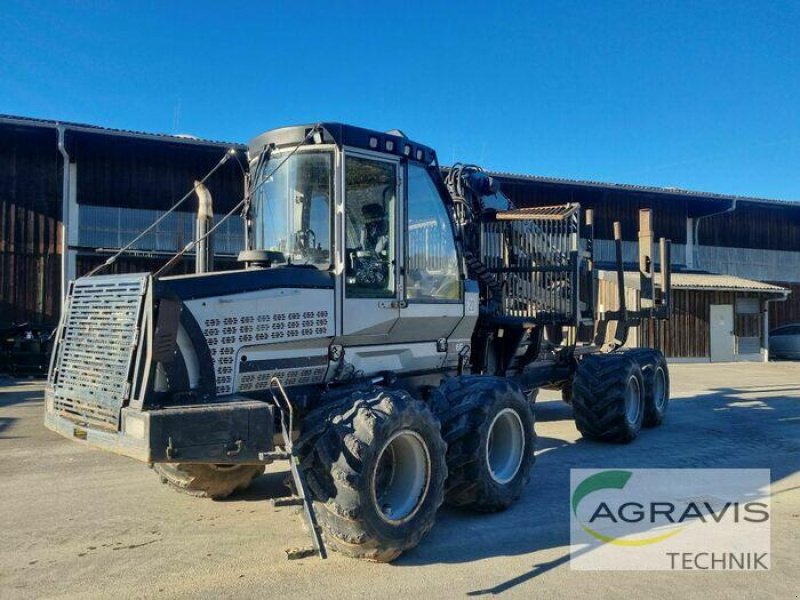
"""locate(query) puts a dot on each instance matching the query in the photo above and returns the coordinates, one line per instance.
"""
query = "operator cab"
(370, 208)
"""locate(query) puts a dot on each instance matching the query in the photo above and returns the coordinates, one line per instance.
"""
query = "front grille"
(92, 368)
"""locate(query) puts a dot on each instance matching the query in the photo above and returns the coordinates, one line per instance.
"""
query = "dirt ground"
(78, 522)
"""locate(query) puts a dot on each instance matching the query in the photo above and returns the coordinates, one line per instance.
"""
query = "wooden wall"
(112, 171)
(784, 313)
(30, 225)
(778, 227)
(669, 214)
(150, 174)
(688, 333)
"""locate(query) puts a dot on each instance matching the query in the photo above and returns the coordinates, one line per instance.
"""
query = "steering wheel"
(305, 239)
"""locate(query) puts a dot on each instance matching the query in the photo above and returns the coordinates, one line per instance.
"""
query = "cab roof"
(393, 142)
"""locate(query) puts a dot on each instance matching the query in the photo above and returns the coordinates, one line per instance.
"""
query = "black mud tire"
(599, 404)
(656, 384)
(341, 450)
(468, 407)
(207, 480)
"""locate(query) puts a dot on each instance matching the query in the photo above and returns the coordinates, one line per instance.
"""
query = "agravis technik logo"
(670, 519)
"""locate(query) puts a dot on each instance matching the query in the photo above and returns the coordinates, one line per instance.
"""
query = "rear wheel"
(376, 468)
(487, 423)
(608, 397)
(655, 375)
(207, 480)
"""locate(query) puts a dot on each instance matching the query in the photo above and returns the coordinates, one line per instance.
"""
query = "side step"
(302, 497)
(288, 501)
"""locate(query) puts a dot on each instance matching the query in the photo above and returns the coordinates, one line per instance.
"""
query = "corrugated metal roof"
(629, 187)
(703, 281)
(711, 281)
(165, 137)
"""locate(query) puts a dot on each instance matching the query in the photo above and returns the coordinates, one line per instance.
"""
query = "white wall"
(759, 265)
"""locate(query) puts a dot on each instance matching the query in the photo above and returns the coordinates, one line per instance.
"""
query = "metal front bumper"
(233, 432)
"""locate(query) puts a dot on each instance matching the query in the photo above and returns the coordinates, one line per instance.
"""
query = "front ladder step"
(302, 497)
(288, 501)
(277, 454)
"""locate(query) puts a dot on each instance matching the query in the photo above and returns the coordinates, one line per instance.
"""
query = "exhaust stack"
(204, 261)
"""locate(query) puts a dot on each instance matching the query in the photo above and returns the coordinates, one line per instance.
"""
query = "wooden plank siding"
(149, 174)
(778, 227)
(30, 226)
(111, 171)
(784, 313)
(669, 214)
(687, 334)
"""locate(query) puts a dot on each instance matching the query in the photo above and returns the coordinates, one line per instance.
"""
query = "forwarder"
(387, 333)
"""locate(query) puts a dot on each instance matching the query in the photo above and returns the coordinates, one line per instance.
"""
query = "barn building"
(70, 194)
(115, 183)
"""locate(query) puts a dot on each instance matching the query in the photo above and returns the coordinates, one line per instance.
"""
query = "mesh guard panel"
(91, 376)
(533, 254)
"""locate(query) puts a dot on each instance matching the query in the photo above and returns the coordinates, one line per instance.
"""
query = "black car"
(784, 342)
(25, 349)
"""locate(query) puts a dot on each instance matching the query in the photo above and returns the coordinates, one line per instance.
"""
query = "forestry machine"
(386, 334)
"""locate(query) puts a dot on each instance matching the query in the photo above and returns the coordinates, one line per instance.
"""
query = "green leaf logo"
(614, 480)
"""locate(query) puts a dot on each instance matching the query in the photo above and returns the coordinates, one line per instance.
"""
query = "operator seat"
(375, 230)
(369, 264)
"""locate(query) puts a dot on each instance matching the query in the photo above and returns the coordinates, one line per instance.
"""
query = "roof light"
(407, 150)
(419, 154)
(390, 146)
(373, 142)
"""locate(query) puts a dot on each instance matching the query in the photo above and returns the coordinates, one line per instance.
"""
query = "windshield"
(291, 207)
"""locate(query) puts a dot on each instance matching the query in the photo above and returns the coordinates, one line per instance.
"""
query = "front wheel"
(207, 480)
(488, 425)
(376, 468)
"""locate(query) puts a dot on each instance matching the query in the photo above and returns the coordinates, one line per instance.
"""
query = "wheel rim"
(505, 447)
(633, 400)
(659, 389)
(401, 478)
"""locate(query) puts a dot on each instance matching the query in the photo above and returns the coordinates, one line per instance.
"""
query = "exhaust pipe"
(204, 261)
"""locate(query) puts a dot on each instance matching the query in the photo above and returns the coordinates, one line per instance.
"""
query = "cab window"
(370, 202)
(431, 265)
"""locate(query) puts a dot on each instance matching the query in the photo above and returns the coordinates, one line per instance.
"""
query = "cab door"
(371, 275)
(433, 301)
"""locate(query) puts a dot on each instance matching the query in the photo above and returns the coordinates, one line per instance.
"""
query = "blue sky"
(698, 95)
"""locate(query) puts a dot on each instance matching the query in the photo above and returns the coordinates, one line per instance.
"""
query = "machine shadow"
(5, 423)
(552, 410)
(12, 392)
(714, 430)
(267, 487)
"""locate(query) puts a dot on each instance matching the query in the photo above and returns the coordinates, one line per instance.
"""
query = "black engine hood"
(225, 283)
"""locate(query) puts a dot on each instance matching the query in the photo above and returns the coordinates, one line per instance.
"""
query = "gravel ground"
(77, 522)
